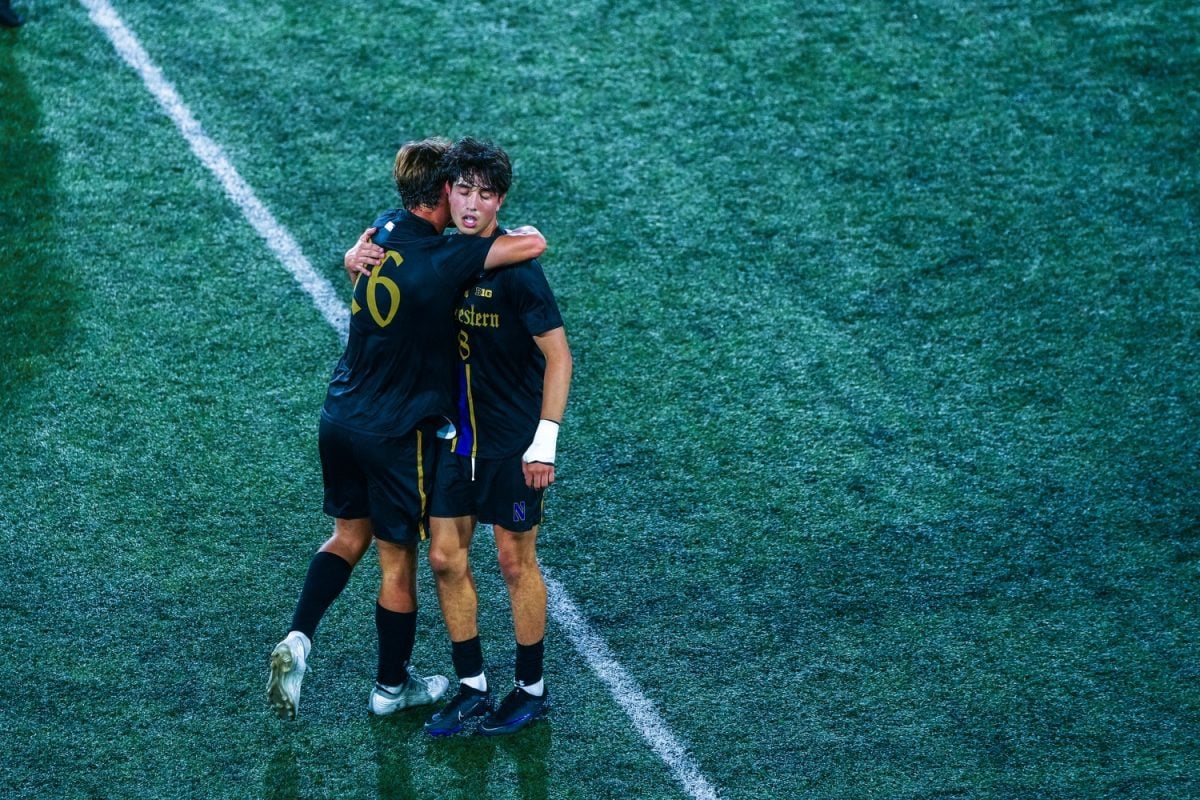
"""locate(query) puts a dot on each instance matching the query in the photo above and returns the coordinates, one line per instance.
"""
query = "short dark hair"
(479, 163)
(419, 172)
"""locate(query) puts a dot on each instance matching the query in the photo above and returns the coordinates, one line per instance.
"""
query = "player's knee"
(515, 566)
(447, 565)
(511, 572)
(358, 547)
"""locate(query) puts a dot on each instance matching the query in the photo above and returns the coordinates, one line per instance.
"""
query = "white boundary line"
(331, 305)
(624, 689)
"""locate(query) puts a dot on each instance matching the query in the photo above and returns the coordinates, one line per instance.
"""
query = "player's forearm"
(556, 383)
(519, 244)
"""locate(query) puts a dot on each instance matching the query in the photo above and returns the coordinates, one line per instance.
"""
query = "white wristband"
(545, 439)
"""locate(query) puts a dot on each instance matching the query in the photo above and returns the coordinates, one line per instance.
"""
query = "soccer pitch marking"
(590, 645)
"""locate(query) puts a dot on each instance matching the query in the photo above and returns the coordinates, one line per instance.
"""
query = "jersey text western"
(475, 319)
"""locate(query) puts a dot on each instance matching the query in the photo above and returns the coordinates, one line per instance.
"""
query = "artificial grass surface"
(880, 465)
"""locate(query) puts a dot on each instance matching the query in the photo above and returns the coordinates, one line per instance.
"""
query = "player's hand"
(364, 255)
(538, 461)
(537, 474)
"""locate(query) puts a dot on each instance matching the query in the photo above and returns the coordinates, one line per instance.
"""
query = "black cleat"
(516, 711)
(463, 706)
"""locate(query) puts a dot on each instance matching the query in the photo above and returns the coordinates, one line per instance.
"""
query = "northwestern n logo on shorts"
(519, 511)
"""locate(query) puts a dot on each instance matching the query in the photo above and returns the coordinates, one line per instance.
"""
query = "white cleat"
(288, 664)
(416, 691)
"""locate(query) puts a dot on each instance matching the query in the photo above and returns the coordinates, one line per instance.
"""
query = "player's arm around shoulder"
(362, 256)
(519, 244)
(538, 460)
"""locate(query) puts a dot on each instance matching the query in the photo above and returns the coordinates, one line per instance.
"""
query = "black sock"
(467, 657)
(529, 662)
(327, 575)
(397, 631)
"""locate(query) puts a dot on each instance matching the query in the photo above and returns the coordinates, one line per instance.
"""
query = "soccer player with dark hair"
(514, 373)
(390, 395)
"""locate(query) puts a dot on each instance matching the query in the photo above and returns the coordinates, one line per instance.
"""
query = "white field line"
(624, 689)
(331, 305)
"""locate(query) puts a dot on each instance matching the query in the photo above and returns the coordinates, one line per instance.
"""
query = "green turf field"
(881, 471)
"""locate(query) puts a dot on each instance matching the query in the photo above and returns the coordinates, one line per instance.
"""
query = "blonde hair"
(419, 173)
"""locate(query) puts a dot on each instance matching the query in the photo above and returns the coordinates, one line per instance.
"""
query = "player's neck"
(438, 216)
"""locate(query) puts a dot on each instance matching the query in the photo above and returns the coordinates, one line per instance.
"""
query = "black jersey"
(501, 369)
(398, 365)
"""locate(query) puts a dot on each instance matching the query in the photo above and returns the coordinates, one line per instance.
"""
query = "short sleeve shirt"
(500, 368)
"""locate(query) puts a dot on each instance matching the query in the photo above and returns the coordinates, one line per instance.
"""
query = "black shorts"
(385, 478)
(497, 495)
